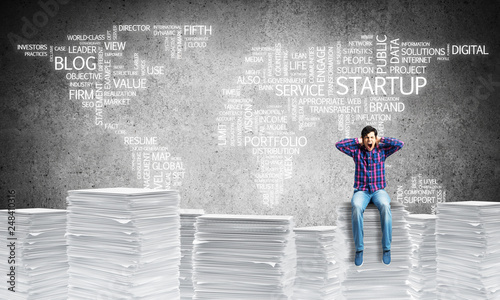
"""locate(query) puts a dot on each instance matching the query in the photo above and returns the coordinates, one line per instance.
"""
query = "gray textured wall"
(50, 143)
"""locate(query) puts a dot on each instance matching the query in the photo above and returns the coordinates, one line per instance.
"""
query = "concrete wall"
(58, 134)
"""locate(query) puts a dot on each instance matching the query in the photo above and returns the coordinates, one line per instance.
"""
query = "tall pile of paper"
(468, 248)
(123, 243)
(374, 277)
(35, 264)
(317, 267)
(244, 257)
(422, 280)
(188, 221)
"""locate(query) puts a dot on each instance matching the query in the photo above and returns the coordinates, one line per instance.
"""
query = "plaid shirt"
(370, 165)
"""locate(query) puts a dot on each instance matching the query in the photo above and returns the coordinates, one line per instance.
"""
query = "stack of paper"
(244, 257)
(317, 267)
(422, 280)
(188, 220)
(374, 277)
(468, 248)
(123, 243)
(35, 264)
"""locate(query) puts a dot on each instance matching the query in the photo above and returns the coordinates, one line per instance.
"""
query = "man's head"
(369, 136)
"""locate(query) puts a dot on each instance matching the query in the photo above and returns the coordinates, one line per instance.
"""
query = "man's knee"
(382, 200)
(357, 209)
(385, 210)
(385, 206)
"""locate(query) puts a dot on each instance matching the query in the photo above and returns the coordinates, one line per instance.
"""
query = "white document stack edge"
(38, 254)
(188, 221)
(468, 248)
(123, 243)
(317, 265)
(244, 257)
(422, 280)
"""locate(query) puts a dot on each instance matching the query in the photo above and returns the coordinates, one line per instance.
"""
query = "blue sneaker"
(386, 258)
(358, 259)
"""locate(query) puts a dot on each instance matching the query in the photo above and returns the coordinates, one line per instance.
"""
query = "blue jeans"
(359, 202)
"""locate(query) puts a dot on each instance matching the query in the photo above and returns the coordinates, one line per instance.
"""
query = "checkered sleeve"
(348, 146)
(390, 145)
